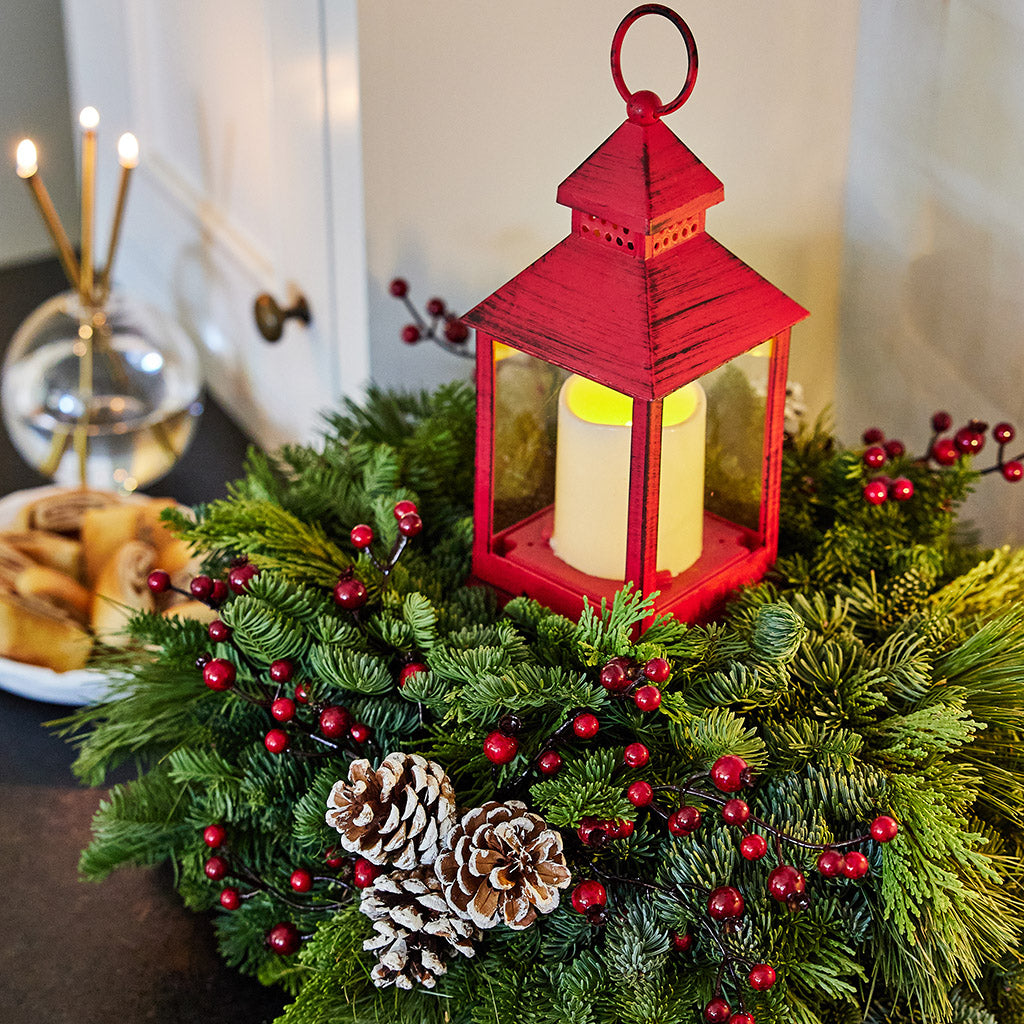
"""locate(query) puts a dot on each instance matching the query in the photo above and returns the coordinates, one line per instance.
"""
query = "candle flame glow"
(128, 150)
(27, 158)
(89, 118)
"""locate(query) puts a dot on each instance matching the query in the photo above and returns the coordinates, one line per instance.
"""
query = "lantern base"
(520, 561)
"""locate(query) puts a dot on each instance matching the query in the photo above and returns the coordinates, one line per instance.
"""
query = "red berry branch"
(437, 323)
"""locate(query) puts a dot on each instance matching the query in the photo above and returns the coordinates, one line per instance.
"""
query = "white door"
(250, 181)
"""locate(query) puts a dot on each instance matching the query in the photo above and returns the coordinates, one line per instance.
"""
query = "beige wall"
(474, 111)
(33, 102)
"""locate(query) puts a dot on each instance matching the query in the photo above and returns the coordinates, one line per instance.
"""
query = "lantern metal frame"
(639, 298)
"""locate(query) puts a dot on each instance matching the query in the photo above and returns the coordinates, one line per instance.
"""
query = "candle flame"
(28, 161)
(128, 150)
(89, 118)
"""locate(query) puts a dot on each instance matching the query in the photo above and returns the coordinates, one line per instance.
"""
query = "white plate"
(81, 686)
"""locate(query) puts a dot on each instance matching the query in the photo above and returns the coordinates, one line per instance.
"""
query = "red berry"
(784, 881)
(875, 457)
(941, 421)
(754, 846)
(717, 1011)
(636, 755)
(742, 1018)
(499, 748)
(873, 436)
(735, 812)
(549, 762)
(301, 881)
(830, 863)
(621, 828)
(588, 894)
(411, 334)
(968, 441)
(587, 827)
(201, 587)
(241, 576)
(1004, 433)
(762, 977)
(725, 902)
(647, 698)
(410, 525)
(219, 674)
(657, 670)
(944, 452)
(363, 873)
(640, 794)
(876, 492)
(215, 868)
(218, 631)
(283, 938)
(230, 898)
(1012, 471)
(435, 307)
(283, 709)
(335, 721)
(399, 287)
(895, 449)
(361, 536)
(158, 581)
(360, 733)
(282, 670)
(683, 821)
(727, 773)
(614, 677)
(585, 725)
(276, 741)
(219, 592)
(334, 858)
(404, 508)
(203, 660)
(683, 941)
(301, 693)
(884, 828)
(855, 865)
(350, 594)
(414, 668)
(902, 489)
(455, 330)
(214, 835)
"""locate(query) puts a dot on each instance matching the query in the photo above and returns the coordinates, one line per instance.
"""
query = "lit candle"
(88, 119)
(28, 169)
(592, 478)
(128, 158)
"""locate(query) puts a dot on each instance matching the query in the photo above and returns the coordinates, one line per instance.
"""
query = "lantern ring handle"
(691, 55)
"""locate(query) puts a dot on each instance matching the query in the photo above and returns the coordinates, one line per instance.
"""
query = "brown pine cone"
(502, 865)
(414, 928)
(399, 814)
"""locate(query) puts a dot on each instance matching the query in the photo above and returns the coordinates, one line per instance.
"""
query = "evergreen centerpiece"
(405, 803)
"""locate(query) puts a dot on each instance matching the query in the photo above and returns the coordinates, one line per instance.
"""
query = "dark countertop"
(124, 950)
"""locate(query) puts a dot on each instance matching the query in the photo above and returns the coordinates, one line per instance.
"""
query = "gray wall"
(34, 103)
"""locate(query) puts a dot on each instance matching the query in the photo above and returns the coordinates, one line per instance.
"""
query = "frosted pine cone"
(399, 814)
(502, 865)
(414, 929)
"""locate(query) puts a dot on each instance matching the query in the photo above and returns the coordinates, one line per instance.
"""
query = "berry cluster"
(724, 905)
(624, 677)
(304, 890)
(878, 454)
(439, 324)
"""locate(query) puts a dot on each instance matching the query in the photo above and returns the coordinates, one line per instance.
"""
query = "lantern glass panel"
(525, 428)
(736, 397)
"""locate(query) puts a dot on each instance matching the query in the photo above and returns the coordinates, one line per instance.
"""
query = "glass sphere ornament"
(103, 395)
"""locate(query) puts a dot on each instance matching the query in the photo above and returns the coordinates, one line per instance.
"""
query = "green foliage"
(881, 670)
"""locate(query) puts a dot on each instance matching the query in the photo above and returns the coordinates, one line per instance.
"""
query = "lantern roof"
(638, 297)
(642, 178)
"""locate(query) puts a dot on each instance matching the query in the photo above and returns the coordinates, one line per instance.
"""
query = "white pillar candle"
(592, 478)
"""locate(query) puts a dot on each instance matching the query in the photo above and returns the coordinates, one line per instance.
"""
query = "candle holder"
(96, 389)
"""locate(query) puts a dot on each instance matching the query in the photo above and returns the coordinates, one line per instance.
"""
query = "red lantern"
(622, 433)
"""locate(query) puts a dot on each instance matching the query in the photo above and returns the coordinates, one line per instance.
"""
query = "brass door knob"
(270, 317)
